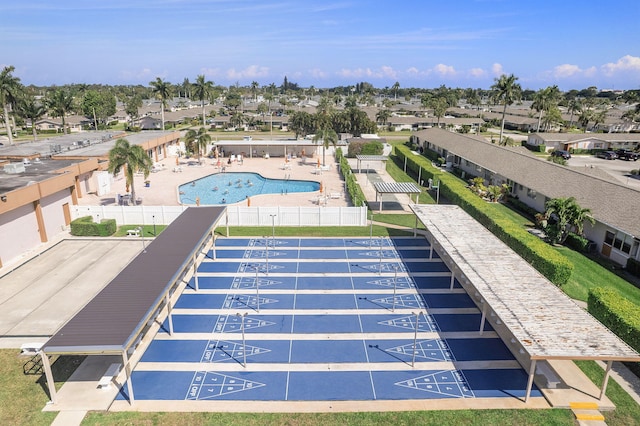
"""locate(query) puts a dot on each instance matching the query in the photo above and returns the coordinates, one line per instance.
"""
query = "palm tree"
(328, 136)
(395, 88)
(439, 106)
(575, 106)
(585, 117)
(197, 140)
(544, 100)
(382, 116)
(563, 215)
(10, 88)
(131, 106)
(505, 92)
(131, 158)
(202, 90)
(29, 108)
(254, 90)
(60, 102)
(162, 90)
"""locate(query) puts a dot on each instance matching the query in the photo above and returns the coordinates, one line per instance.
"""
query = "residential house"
(533, 181)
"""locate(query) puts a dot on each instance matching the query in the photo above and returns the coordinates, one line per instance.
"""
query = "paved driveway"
(619, 169)
(42, 294)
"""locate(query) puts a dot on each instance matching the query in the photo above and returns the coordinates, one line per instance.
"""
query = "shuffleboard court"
(325, 319)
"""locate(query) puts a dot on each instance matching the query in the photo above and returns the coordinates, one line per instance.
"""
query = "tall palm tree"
(29, 108)
(395, 88)
(10, 88)
(328, 136)
(382, 116)
(197, 140)
(162, 90)
(131, 158)
(202, 90)
(60, 103)
(574, 107)
(254, 90)
(505, 92)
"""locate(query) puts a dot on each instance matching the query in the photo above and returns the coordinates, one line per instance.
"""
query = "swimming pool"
(229, 188)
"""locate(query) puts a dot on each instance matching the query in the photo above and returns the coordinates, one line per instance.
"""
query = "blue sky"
(418, 43)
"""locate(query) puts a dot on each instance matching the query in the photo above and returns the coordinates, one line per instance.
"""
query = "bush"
(577, 243)
(534, 148)
(539, 254)
(619, 315)
(633, 267)
(86, 227)
(354, 190)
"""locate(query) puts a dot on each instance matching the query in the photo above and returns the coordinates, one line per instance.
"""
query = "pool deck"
(164, 183)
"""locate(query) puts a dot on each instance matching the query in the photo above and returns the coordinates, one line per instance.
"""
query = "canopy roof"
(547, 323)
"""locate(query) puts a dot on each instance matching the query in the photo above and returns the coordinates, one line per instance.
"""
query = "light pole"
(380, 255)
(273, 228)
(244, 346)
(370, 228)
(395, 279)
(266, 245)
(153, 218)
(415, 340)
(256, 267)
(144, 248)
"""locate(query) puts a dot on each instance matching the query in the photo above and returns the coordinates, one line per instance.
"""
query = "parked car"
(625, 154)
(607, 155)
(561, 153)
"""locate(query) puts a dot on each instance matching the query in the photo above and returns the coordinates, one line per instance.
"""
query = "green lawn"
(588, 274)
(23, 396)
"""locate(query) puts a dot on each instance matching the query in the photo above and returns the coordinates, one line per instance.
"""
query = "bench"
(31, 348)
(133, 233)
(109, 375)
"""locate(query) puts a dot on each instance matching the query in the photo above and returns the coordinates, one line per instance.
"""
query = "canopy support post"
(605, 381)
(51, 384)
(532, 370)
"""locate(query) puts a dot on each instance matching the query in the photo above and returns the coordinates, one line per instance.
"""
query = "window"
(531, 193)
(621, 241)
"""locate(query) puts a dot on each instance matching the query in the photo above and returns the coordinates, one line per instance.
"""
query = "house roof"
(577, 137)
(610, 203)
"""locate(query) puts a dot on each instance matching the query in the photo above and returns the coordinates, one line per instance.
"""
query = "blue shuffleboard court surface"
(325, 319)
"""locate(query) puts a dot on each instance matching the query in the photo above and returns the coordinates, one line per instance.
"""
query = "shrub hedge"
(618, 315)
(354, 190)
(577, 243)
(539, 254)
(86, 227)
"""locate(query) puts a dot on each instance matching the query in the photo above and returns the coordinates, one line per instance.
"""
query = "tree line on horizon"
(98, 102)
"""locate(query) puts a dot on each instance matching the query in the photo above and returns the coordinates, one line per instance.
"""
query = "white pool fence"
(236, 215)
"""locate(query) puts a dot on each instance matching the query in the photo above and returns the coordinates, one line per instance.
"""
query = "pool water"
(229, 188)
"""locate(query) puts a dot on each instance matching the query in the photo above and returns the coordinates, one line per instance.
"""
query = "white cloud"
(566, 70)
(251, 72)
(444, 70)
(389, 72)
(142, 74)
(624, 64)
(317, 73)
(477, 72)
(413, 71)
(497, 70)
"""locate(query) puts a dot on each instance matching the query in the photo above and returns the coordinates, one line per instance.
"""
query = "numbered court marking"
(223, 350)
(402, 301)
(245, 301)
(233, 324)
(382, 267)
(250, 282)
(262, 267)
(207, 385)
(401, 282)
(431, 350)
(425, 323)
(451, 383)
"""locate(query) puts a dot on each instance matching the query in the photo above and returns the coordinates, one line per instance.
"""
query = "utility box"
(14, 168)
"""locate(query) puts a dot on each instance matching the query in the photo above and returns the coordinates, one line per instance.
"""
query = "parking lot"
(618, 169)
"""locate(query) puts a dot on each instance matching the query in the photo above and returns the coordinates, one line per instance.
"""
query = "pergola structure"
(535, 319)
(369, 158)
(117, 318)
(396, 188)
